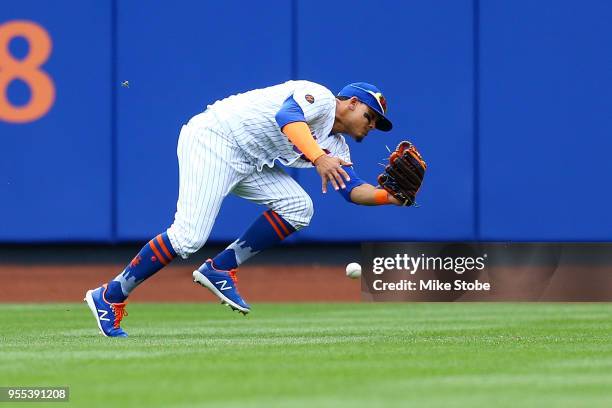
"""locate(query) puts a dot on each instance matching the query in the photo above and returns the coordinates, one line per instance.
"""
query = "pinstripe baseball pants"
(212, 165)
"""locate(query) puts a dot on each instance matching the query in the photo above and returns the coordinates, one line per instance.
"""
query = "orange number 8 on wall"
(28, 70)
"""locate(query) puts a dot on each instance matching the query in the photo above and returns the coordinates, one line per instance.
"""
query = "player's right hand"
(330, 170)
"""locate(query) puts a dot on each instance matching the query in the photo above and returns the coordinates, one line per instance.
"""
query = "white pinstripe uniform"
(232, 148)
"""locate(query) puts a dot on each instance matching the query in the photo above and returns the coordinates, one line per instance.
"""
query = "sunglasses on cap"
(382, 102)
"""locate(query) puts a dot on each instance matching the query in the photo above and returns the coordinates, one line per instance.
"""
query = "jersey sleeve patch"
(316, 102)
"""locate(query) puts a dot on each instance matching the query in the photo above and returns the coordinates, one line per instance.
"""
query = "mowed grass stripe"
(317, 355)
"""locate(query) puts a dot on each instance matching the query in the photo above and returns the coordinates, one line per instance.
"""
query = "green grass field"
(316, 355)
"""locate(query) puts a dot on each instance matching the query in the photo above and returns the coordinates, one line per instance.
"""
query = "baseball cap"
(371, 96)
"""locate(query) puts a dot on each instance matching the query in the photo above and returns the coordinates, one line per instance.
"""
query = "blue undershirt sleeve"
(289, 112)
(350, 185)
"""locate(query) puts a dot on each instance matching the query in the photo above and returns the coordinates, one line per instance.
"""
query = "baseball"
(353, 270)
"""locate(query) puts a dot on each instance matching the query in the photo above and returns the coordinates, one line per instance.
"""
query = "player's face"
(362, 120)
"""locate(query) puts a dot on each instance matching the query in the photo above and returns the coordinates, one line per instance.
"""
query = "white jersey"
(250, 118)
(232, 148)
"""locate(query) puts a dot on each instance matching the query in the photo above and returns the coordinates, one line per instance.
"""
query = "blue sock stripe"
(286, 227)
(157, 253)
(166, 240)
(164, 252)
(275, 227)
(267, 230)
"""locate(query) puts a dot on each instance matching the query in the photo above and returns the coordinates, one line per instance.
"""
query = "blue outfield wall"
(178, 59)
(545, 120)
(55, 168)
(508, 102)
(420, 55)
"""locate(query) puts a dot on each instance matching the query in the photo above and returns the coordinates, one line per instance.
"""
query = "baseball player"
(235, 146)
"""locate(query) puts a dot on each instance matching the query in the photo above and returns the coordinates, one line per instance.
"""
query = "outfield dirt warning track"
(259, 283)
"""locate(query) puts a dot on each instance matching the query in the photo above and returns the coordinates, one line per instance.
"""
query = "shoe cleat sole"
(203, 281)
(233, 308)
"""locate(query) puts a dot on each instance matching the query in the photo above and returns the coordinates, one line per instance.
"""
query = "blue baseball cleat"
(222, 284)
(108, 315)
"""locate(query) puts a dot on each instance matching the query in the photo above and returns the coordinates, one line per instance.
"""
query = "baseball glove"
(404, 173)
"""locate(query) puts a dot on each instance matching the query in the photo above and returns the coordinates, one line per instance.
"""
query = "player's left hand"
(330, 170)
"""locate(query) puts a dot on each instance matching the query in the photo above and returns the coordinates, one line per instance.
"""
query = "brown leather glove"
(404, 174)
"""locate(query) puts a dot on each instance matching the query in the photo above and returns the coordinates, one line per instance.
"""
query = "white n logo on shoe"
(103, 315)
(224, 285)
